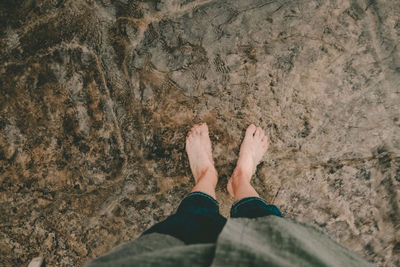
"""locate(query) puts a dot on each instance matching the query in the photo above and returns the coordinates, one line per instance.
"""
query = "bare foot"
(198, 148)
(252, 149)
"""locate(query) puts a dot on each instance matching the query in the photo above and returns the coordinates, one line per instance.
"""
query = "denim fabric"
(198, 220)
(253, 207)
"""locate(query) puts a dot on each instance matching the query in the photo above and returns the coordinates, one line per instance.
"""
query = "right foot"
(252, 149)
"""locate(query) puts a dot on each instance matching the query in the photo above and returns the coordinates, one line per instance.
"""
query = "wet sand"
(96, 98)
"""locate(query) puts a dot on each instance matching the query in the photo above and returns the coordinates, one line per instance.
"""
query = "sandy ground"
(96, 98)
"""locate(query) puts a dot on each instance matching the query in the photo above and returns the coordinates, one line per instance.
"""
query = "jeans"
(198, 220)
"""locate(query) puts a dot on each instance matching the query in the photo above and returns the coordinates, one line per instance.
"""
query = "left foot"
(198, 148)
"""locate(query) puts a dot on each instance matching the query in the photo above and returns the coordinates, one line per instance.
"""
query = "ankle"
(238, 182)
(241, 174)
(242, 188)
(208, 175)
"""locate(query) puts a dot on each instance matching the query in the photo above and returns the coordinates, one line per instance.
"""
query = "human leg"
(198, 148)
(247, 201)
(197, 219)
(253, 207)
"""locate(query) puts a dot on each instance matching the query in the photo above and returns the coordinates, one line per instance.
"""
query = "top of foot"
(198, 148)
(252, 149)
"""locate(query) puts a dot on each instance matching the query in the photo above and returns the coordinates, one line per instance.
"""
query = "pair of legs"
(197, 219)
(198, 147)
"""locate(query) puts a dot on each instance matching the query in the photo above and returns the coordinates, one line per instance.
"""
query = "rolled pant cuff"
(253, 207)
(198, 199)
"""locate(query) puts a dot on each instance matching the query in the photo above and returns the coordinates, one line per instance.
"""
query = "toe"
(251, 130)
(199, 129)
(196, 129)
(203, 129)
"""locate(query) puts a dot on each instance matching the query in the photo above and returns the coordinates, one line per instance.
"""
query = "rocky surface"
(96, 98)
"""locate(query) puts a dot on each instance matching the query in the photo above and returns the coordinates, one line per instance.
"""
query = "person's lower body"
(198, 220)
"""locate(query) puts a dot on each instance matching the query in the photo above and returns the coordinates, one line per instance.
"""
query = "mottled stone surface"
(96, 98)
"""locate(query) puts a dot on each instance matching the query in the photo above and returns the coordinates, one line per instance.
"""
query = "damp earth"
(96, 98)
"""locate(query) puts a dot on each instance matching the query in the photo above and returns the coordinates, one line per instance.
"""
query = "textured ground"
(96, 98)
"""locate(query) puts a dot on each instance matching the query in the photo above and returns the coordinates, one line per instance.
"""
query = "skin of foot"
(252, 149)
(198, 148)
